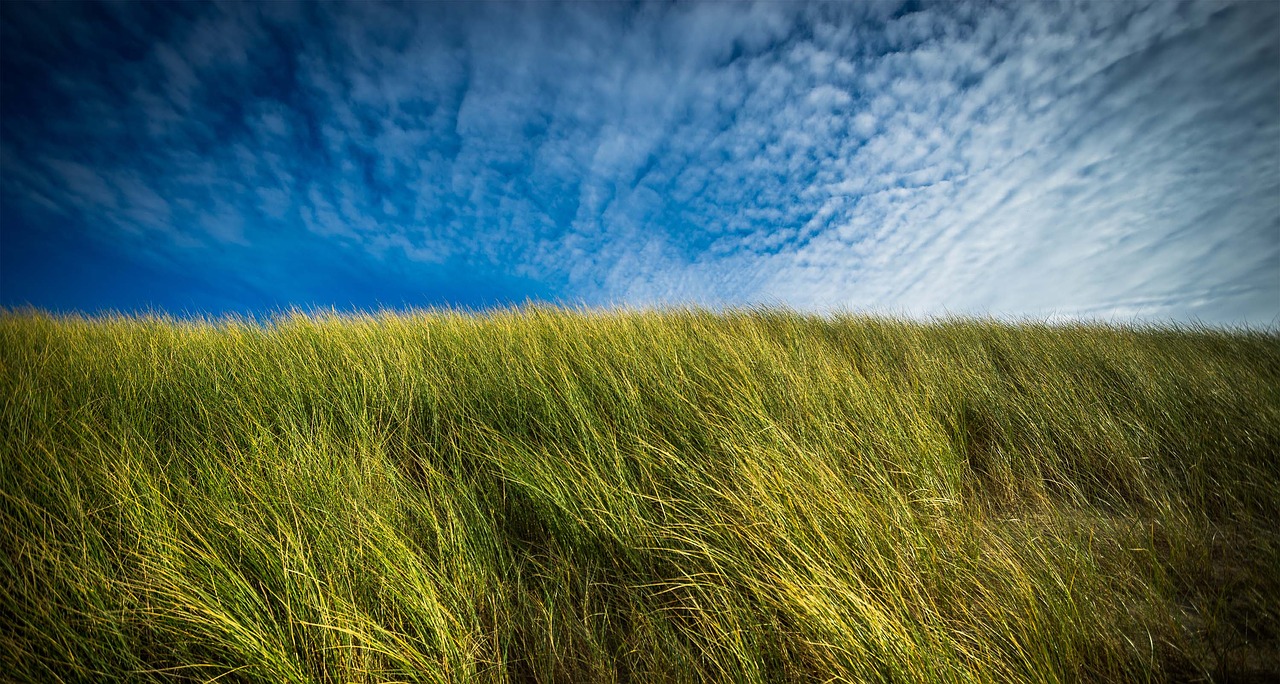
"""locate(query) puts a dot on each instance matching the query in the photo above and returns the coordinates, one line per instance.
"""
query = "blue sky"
(1113, 160)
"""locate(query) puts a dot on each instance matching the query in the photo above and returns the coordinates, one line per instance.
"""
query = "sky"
(1101, 160)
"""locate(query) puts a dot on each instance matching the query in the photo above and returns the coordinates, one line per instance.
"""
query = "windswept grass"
(540, 495)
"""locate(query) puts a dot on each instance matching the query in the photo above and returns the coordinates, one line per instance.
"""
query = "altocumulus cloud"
(1113, 160)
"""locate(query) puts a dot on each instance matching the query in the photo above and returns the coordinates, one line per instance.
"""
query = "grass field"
(685, 496)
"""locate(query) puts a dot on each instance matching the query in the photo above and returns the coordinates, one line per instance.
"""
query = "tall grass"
(553, 496)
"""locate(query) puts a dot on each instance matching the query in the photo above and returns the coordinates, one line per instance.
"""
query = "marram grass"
(683, 496)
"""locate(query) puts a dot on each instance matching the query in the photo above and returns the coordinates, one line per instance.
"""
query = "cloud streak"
(1096, 159)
